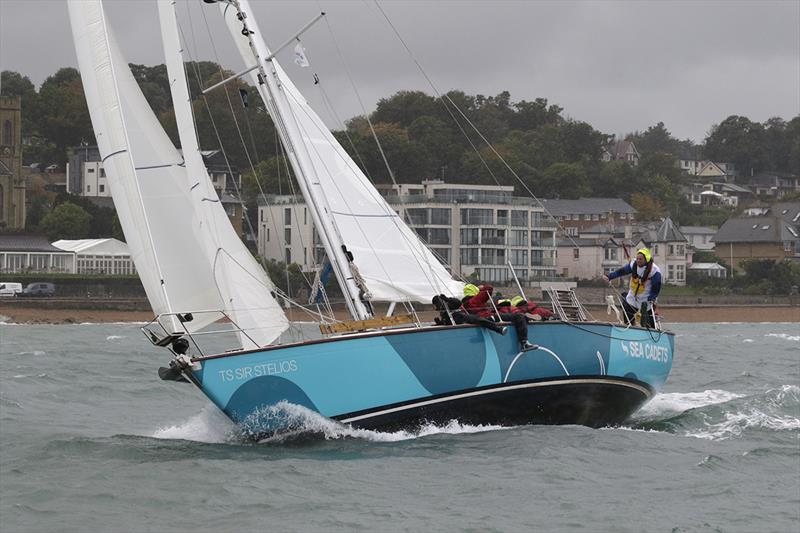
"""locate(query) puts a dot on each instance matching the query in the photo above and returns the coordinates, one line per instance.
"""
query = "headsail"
(394, 264)
(151, 189)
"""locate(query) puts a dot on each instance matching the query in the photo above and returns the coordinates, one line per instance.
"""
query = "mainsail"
(186, 254)
(390, 258)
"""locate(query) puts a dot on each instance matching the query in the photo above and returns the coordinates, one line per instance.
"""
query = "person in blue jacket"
(644, 288)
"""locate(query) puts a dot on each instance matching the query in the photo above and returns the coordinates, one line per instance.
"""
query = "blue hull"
(587, 373)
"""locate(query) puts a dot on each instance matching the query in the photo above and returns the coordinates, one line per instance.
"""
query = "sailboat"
(203, 284)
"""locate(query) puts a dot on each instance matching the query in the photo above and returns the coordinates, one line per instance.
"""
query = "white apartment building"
(473, 229)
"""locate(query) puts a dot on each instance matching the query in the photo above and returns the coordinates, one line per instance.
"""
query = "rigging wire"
(435, 285)
(468, 121)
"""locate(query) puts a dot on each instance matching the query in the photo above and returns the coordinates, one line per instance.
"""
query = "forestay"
(242, 283)
(149, 183)
(390, 257)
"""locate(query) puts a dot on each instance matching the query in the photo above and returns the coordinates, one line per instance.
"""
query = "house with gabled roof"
(774, 235)
(670, 249)
(623, 150)
(589, 258)
(576, 215)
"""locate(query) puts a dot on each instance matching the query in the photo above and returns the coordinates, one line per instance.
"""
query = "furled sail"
(394, 264)
(151, 189)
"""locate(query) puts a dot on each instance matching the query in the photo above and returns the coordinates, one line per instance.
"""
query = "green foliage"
(765, 276)
(64, 114)
(294, 284)
(739, 140)
(67, 221)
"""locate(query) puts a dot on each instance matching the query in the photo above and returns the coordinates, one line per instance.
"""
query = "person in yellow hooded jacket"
(644, 287)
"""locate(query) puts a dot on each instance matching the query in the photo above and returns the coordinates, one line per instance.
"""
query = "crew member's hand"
(605, 278)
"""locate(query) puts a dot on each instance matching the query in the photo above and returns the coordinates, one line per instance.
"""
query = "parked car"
(39, 288)
(9, 289)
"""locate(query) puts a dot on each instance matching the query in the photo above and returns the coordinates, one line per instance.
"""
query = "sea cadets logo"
(645, 350)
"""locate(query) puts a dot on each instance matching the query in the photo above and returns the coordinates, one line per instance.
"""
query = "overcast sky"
(621, 66)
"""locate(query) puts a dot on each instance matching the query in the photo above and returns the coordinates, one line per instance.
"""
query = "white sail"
(394, 263)
(147, 179)
(243, 284)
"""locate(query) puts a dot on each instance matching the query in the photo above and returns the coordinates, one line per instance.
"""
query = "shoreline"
(16, 313)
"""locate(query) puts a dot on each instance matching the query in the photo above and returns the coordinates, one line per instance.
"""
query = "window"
(8, 133)
(655, 249)
(101, 188)
(261, 214)
(502, 217)
(288, 256)
(287, 236)
(267, 234)
(88, 188)
(469, 256)
(440, 216)
(230, 209)
(102, 173)
(519, 257)
(571, 231)
(493, 256)
(519, 218)
(287, 216)
(438, 235)
(670, 272)
(305, 216)
(611, 254)
(443, 254)
(90, 171)
(477, 216)
(493, 236)
(518, 237)
(416, 216)
(469, 235)
(576, 254)
(679, 272)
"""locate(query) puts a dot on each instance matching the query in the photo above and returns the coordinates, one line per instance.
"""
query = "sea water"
(92, 440)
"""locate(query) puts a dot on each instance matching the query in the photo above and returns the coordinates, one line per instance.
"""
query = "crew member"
(644, 288)
(477, 301)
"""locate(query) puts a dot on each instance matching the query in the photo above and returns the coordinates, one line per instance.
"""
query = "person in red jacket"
(477, 301)
(520, 305)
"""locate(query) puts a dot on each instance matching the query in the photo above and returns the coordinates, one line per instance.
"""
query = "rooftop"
(587, 206)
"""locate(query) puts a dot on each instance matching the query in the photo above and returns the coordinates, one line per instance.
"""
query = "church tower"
(12, 184)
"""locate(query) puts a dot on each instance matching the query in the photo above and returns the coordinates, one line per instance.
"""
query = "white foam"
(33, 352)
(209, 425)
(303, 420)
(795, 338)
(677, 402)
(734, 425)
(748, 340)
(115, 337)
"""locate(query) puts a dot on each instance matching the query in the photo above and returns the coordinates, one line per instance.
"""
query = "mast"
(276, 100)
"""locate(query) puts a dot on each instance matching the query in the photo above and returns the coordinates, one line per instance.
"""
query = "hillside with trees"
(456, 138)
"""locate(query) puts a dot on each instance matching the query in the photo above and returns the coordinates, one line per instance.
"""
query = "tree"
(738, 140)
(67, 221)
(404, 107)
(648, 208)
(64, 114)
(566, 180)
(15, 84)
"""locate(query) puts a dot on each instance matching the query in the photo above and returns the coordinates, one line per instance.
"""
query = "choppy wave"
(720, 415)
(795, 338)
(297, 423)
